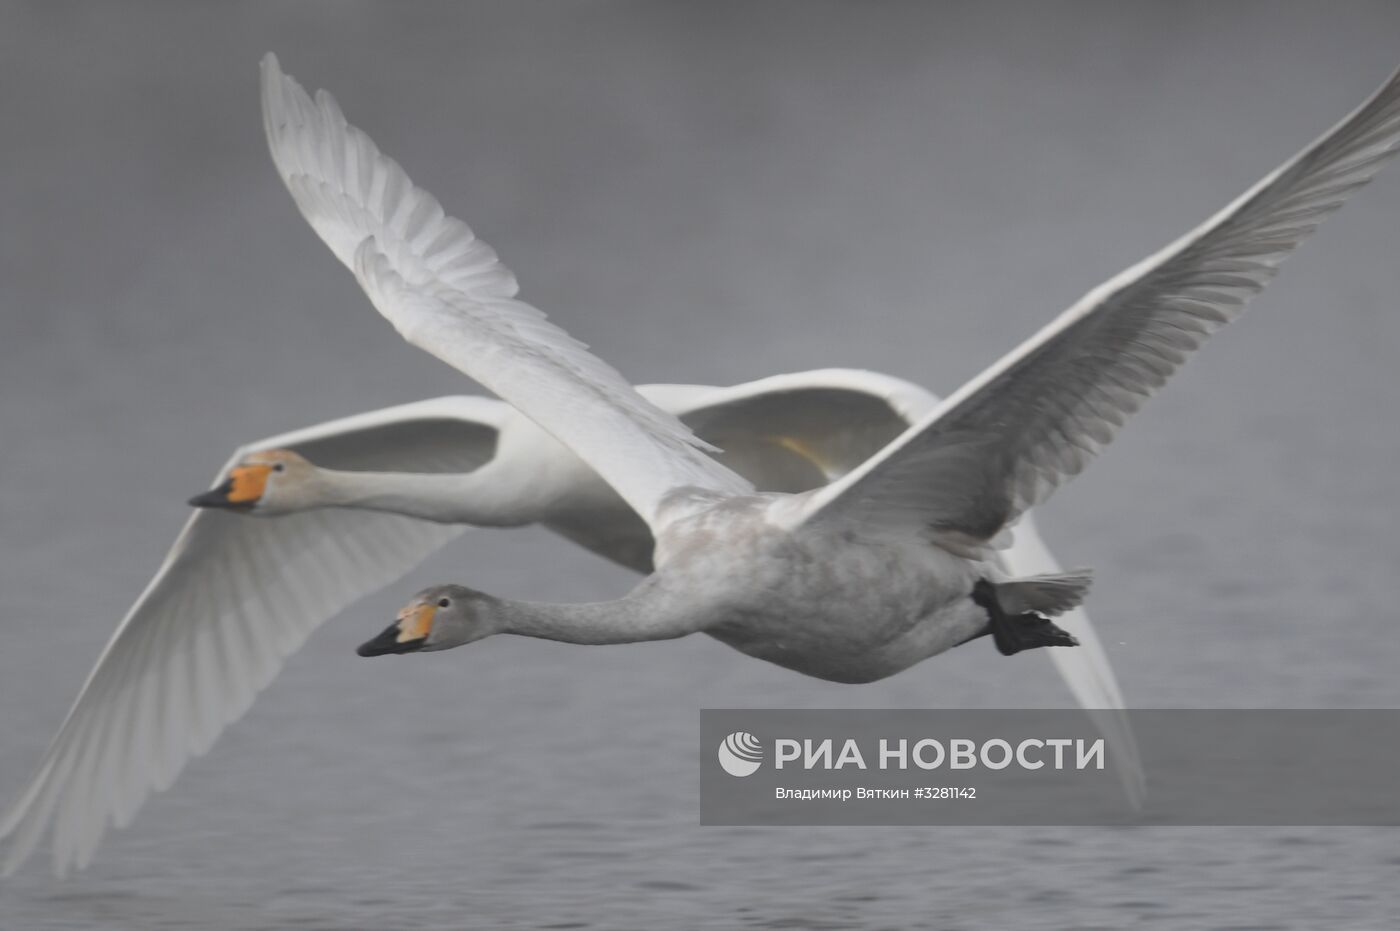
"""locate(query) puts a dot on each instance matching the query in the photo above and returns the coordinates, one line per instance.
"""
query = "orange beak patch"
(248, 483)
(415, 623)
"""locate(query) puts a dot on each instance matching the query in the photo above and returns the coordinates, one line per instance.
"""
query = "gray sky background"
(704, 193)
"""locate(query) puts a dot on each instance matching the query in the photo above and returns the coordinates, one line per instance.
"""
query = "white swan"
(235, 595)
(478, 461)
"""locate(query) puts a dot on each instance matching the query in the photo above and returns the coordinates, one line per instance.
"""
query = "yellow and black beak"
(242, 489)
(406, 635)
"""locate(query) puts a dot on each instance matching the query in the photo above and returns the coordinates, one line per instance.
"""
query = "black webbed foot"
(1028, 631)
(1014, 633)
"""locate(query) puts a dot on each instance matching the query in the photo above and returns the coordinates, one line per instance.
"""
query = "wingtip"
(1132, 780)
(269, 70)
(270, 80)
(278, 85)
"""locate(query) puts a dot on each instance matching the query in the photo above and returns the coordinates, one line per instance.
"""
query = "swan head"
(266, 482)
(437, 618)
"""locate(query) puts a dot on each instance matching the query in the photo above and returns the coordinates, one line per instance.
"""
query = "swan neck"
(478, 497)
(648, 612)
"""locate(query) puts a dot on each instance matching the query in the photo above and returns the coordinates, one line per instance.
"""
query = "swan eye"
(279, 467)
(444, 603)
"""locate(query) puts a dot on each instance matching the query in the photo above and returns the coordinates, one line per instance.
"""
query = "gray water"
(705, 193)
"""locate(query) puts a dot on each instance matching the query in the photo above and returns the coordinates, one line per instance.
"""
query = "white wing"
(446, 292)
(1008, 438)
(235, 596)
(1085, 669)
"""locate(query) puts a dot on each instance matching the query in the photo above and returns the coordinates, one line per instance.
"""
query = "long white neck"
(651, 611)
(484, 497)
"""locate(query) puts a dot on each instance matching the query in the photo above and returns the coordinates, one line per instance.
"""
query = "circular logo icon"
(740, 754)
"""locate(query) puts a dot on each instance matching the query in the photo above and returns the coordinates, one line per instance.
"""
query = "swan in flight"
(359, 501)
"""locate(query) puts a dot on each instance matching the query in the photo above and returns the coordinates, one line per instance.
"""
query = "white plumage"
(446, 292)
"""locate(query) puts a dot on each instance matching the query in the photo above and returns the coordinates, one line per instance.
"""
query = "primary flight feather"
(446, 292)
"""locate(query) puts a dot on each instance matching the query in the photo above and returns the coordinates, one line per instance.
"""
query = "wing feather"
(234, 598)
(1007, 439)
(446, 292)
(1085, 670)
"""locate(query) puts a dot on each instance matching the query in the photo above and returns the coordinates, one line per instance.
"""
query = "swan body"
(818, 602)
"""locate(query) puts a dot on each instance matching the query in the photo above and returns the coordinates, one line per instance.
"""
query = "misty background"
(709, 193)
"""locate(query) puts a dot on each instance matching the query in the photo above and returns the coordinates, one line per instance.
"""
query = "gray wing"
(235, 596)
(1008, 438)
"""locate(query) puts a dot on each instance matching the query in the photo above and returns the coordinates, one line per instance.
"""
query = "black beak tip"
(388, 642)
(214, 497)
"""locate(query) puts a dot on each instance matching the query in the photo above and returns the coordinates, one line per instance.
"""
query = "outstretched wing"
(446, 292)
(235, 596)
(1009, 437)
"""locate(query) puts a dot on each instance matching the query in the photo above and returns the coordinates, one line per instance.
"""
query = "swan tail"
(1050, 595)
